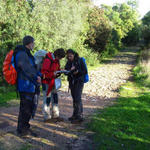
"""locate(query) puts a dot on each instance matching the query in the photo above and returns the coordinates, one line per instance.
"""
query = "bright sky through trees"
(143, 5)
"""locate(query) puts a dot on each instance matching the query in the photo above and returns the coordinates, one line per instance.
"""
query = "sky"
(143, 5)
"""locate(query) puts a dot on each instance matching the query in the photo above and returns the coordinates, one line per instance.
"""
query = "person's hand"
(43, 77)
(73, 68)
(62, 70)
(39, 79)
(56, 74)
(76, 72)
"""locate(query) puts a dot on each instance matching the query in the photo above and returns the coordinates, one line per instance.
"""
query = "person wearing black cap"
(28, 79)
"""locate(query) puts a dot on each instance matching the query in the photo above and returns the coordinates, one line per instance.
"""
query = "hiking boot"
(32, 133)
(54, 120)
(55, 111)
(58, 119)
(21, 134)
(77, 120)
(48, 120)
(71, 118)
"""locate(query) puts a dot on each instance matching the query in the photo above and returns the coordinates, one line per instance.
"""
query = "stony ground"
(100, 92)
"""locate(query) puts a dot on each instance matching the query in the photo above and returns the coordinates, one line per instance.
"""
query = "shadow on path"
(54, 136)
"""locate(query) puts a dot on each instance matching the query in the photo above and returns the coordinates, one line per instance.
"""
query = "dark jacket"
(80, 67)
(26, 70)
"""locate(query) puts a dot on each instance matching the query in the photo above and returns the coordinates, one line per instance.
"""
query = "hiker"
(77, 70)
(27, 81)
(39, 57)
(49, 70)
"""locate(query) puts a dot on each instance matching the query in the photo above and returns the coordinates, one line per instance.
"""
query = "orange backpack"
(9, 71)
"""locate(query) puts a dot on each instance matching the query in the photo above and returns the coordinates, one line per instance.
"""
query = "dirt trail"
(100, 92)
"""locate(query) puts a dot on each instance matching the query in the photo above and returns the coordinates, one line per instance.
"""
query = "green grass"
(6, 94)
(139, 75)
(28, 146)
(125, 125)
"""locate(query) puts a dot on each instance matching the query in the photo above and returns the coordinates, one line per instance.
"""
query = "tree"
(14, 24)
(99, 29)
(146, 29)
(57, 23)
(53, 24)
(133, 36)
(122, 18)
(133, 4)
(146, 19)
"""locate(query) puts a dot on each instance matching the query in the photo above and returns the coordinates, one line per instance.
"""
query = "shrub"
(99, 30)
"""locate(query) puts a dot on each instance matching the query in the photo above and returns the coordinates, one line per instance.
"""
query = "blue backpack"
(86, 76)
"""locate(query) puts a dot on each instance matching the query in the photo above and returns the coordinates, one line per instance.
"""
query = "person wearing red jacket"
(49, 70)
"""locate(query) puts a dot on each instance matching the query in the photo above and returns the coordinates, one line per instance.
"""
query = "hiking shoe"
(54, 120)
(23, 134)
(77, 120)
(32, 133)
(47, 120)
(71, 118)
(58, 119)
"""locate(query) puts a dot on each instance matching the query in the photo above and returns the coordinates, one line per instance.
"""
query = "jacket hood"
(49, 55)
(19, 47)
(23, 48)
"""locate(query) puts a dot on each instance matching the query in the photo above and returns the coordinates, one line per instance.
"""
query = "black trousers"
(76, 92)
(25, 111)
(54, 95)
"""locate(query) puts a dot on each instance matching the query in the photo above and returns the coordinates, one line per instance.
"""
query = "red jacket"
(49, 66)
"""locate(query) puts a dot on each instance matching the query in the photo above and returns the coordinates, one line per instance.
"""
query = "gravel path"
(100, 92)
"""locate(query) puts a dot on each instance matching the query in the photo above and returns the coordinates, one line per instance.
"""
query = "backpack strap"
(16, 85)
(14, 55)
(81, 60)
(49, 59)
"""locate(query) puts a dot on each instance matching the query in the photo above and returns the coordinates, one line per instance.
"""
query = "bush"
(99, 30)
(14, 24)
(142, 70)
(146, 35)
(146, 29)
(123, 19)
(53, 24)
(57, 24)
(133, 36)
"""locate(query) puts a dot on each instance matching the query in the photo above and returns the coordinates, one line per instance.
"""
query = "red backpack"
(9, 71)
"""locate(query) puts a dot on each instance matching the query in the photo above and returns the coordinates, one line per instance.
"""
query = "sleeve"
(82, 70)
(67, 66)
(46, 72)
(23, 63)
(59, 66)
(39, 73)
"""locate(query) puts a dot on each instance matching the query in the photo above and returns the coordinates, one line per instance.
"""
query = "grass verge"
(125, 125)
(6, 94)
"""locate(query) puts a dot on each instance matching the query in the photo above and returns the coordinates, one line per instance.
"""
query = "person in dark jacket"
(27, 81)
(77, 70)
